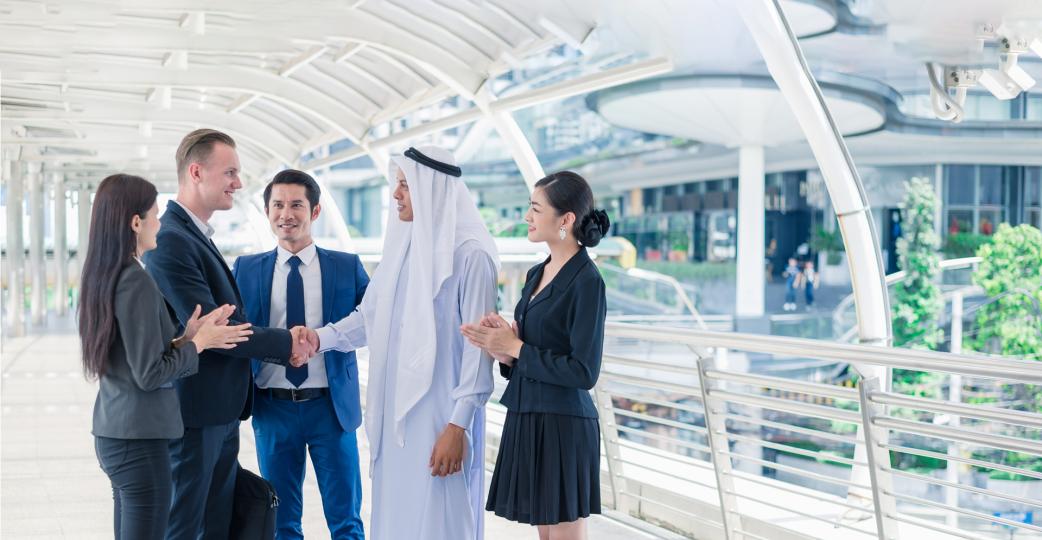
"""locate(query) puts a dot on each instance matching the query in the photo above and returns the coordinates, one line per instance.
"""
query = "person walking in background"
(315, 406)
(809, 279)
(190, 271)
(548, 469)
(127, 343)
(791, 274)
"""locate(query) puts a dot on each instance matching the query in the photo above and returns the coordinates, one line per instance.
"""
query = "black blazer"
(136, 399)
(189, 270)
(563, 334)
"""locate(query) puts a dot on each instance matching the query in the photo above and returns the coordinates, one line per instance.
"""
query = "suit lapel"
(267, 275)
(188, 224)
(328, 271)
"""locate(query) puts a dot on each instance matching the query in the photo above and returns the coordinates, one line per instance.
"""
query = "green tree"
(1010, 273)
(917, 297)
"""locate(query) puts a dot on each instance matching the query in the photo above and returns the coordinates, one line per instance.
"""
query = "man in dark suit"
(315, 406)
(190, 270)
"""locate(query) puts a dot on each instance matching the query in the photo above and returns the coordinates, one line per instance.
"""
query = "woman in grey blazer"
(127, 343)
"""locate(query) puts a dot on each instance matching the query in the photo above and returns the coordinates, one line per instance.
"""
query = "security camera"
(1001, 85)
(1016, 73)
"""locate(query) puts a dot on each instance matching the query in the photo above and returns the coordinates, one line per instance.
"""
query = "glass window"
(992, 184)
(989, 220)
(960, 221)
(960, 184)
(1033, 186)
(1034, 217)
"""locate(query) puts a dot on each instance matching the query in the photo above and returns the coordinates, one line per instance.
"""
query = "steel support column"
(519, 147)
(750, 267)
(785, 61)
(83, 208)
(61, 247)
(37, 257)
(15, 248)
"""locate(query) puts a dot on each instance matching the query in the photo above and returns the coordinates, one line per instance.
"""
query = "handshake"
(305, 345)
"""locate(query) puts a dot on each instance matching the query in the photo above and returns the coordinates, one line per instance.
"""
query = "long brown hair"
(112, 245)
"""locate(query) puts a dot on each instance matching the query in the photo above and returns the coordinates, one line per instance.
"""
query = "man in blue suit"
(314, 407)
(190, 272)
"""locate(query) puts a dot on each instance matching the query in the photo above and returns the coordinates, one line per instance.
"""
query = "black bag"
(253, 512)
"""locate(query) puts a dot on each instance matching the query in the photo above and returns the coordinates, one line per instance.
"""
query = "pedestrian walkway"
(52, 486)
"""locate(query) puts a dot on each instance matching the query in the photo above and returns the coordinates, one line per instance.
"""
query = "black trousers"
(204, 463)
(139, 470)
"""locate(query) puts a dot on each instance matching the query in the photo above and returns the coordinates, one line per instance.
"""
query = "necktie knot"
(294, 262)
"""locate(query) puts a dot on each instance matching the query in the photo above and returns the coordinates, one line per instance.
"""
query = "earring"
(561, 233)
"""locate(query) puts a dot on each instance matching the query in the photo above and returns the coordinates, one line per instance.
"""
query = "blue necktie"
(295, 315)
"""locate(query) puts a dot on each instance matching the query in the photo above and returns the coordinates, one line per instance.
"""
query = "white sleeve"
(345, 335)
(477, 298)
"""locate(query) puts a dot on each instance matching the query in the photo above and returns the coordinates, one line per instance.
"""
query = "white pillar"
(61, 248)
(37, 260)
(83, 219)
(751, 279)
(15, 249)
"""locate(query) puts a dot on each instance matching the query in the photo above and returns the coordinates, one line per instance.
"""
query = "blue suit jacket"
(343, 284)
(189, 270)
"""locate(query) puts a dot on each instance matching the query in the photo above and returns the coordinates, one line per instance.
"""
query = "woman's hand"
(212, 331)
(493, 335)
(494, 320)
(219, 316)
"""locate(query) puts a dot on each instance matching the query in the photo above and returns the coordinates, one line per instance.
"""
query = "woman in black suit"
(127, 343)
(548, 469)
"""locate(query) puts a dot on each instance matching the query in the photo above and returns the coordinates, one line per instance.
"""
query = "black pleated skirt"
(548, 470)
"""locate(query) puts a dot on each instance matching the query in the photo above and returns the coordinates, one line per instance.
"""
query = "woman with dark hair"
(548, 469)
(126, 339)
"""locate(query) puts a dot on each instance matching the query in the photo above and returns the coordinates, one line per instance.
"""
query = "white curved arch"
(239, 126)
(291, 92)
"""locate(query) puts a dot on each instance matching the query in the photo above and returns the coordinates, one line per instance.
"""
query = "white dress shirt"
(203, 226)
(273, 375)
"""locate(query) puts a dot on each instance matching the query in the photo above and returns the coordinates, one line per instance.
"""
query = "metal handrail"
(976, 365)
(725, 392)
(891, 279)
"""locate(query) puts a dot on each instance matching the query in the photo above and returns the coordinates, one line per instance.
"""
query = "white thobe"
(407, 501)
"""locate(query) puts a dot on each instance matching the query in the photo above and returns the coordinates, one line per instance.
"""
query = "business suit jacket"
(343, 284)
(563, 334)
(135, 397)
(189, 270)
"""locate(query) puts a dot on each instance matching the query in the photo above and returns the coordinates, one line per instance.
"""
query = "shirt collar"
(307, 255)
(203, 226)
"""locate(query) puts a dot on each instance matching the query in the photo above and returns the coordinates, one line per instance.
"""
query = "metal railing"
(696, 443)
(953, 277)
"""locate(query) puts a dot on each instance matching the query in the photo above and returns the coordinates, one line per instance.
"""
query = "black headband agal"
(418, 157)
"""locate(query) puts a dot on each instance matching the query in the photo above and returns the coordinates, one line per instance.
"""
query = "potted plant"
(832, 264)
(678, 246)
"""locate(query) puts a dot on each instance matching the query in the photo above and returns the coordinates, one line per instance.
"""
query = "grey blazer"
(136, 399)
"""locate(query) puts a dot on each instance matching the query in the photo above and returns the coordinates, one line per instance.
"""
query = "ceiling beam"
(230, 78)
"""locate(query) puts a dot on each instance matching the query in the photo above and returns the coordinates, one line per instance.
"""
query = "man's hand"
(447, 456)
(305, 345)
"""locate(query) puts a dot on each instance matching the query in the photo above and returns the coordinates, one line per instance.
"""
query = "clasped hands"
(494, 335)
(305, 345)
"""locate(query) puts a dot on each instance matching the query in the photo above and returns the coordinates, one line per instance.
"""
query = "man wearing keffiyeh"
(427, 386)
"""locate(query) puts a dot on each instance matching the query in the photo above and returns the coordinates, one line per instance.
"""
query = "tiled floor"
(51, 484)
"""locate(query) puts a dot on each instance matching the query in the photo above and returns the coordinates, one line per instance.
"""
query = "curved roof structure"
(106, 85)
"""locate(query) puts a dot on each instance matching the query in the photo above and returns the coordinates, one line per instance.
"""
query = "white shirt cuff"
(327, 338)
(463, 414)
